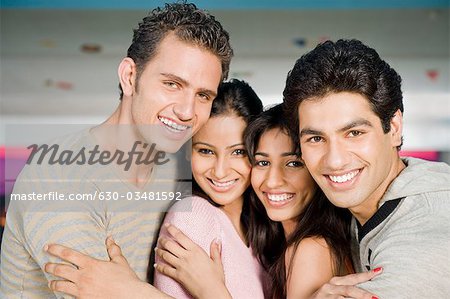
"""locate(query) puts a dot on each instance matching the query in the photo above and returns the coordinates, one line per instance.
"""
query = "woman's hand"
(190, 265)
(344, 286)
(92, 278)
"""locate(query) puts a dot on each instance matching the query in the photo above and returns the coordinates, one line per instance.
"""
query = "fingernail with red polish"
(374, 297)
(377, 270)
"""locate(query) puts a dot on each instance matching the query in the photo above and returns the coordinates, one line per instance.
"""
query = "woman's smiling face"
(280, 179)
(220, 164)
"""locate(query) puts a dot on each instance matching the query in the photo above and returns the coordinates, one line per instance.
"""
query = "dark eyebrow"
(290, 154)
(202, 143)
(356, 123)
(210, 145)
(235, 145)
(282, 155)
(308, 131)
(211, 93)
(176, 78)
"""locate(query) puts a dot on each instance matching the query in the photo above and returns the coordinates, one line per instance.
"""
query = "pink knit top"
(202, 222)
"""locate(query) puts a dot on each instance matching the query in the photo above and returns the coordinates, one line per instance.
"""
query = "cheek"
(304, 183)
(142, 110)
(370, 149)
(311, 156)
(199, 165)
(202, 113)
(245, 169)
(257, 179)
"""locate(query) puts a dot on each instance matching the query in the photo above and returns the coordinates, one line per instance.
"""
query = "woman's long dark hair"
(319, 218)
(234, 97)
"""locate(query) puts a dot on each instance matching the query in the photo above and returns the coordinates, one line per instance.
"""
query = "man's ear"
(396, 128)
(127, 75)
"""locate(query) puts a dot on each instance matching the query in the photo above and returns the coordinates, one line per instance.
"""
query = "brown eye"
(204, 96)
(171, 84)
(239, 152)
(262, 163)
(315, 139)
(205, 151)
(355, 133)
(295, 164)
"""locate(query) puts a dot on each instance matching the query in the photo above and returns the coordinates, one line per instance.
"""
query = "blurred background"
(58, 59)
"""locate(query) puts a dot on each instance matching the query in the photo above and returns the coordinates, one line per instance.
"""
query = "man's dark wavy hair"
(344, 66)
(189, 24)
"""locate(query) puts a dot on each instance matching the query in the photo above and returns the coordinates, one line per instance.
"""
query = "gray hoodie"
(409, 235)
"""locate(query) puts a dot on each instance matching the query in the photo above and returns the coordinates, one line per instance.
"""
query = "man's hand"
(92, 278)
(340, 287)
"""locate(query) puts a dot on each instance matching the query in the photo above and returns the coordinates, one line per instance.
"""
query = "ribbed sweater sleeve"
(195, 217)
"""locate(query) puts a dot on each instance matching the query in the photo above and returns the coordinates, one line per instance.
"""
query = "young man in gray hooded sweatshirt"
(350, 116)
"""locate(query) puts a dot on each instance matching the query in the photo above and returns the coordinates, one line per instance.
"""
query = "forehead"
(334, 110)
(222, 130)
(275, 141)
(186, 60)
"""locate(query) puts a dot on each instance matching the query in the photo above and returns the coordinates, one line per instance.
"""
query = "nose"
(337, 157)
(220, 167)
(185, 107)
(274, 178)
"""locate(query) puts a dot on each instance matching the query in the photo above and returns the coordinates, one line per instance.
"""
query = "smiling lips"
(173, 126)
(279, 199)
(222, 186)
(343, 178)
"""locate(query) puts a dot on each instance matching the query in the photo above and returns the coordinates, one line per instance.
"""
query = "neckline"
(380, 215)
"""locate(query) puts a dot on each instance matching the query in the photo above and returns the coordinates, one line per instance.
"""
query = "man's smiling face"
(174, 93)
(347, 152)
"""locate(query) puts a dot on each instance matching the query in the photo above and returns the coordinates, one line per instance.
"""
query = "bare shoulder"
(310, 266)
(307, 248)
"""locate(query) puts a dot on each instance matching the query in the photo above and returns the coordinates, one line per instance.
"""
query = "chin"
(277, 217)
(340, 203)
(169, 147)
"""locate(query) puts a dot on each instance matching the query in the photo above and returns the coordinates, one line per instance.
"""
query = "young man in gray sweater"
(350, 117)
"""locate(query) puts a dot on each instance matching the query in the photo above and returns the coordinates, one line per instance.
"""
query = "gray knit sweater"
(409, 235)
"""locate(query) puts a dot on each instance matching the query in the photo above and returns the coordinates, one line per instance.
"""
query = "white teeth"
(225, 184)
(279, 197)
(174, 127)
(344, 178)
